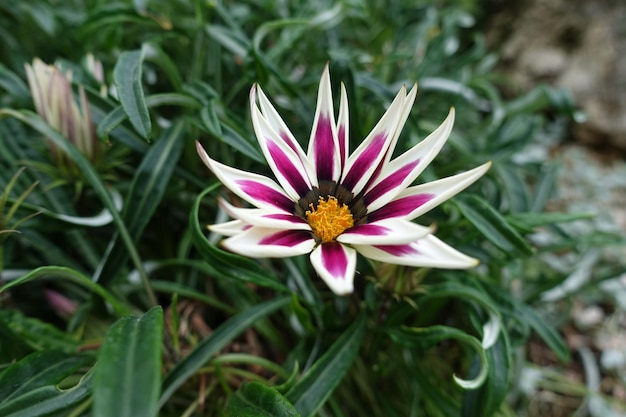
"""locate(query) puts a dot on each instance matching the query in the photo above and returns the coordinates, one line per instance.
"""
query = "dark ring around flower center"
(341, 193)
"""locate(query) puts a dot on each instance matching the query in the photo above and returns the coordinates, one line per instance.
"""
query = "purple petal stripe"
(364, 161)
(392, 181)
(342, 143)
(266, 194)
(287, 169)
(368, 230)
(398, 250)
(400, 207)
(287, 217)
(324, 149)
(287, 139)
(334, 259)
(286, 238)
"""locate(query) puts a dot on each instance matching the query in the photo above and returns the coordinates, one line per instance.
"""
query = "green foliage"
(142, 313)
(128, 373)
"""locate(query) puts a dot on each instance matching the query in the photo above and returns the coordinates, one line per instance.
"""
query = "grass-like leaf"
(485, 400)
(492, 225)
(312, 391)
(145, 194)
(257, 400)
(425, 337)
(37, 370)
(128, 372)
(49, 400)
(127, 76)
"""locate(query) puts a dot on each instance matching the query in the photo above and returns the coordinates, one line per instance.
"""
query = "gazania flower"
(334, 205)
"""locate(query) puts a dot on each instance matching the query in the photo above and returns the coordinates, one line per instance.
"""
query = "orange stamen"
(329, 219)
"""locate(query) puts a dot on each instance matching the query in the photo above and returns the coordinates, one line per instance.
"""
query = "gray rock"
(576, 44)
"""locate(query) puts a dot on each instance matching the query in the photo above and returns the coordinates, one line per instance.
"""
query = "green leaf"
(425, 337)
(529, 221)
(13, 84)
(257, 400)
(545, 331)
(128, 372)
(154, 53)
(188, 292)
(230, 40)
(37, 334)
(228, 264)
(37, 370)
(70, 275)
(127, 78)
(431, 393)
(514, 186)
(545, 186)
(209, 118)
(49, 400)
(151, 179)
(459, 290)
(234, 139)
(225, 333)
(116, 116)
(527, 316)
(145, 194)
(486, 400)
(492, 225)
(312, 391)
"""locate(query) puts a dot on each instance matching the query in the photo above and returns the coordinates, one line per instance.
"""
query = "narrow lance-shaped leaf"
(492, 225)
(39, 369)
(257, 400)
(312, 391)
(144, 196)
(425, 337)
(128, 372)
(127, 77)
(49, 400)
(485, 400)
(115, 117)
(36, 333)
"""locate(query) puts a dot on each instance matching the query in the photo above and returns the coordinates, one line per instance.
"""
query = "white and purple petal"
(427, 252)
(404, 115)
(385, 232)
(256, 189)
(260, 242)
(336, 265)
(265, 218)
(417, 200)
(398, 174)
(230, 228)
(364, 162)
(276, 122)
(343, 127)
(282, 159)
(323, 149)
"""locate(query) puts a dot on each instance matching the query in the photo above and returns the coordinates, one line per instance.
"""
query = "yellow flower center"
(329, 219)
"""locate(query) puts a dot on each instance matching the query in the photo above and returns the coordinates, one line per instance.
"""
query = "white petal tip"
(325, 259)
